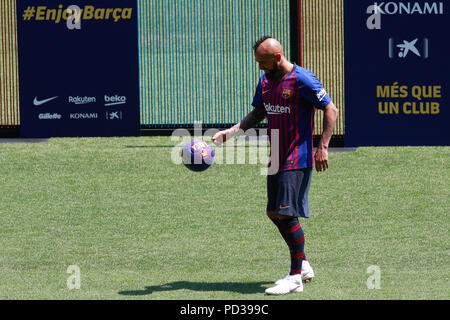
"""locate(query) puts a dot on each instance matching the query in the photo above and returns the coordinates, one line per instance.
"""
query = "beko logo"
(115, 100)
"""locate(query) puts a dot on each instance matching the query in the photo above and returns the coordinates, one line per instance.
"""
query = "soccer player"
(287, 96)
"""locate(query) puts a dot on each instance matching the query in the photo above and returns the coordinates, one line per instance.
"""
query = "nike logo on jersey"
(37, 102)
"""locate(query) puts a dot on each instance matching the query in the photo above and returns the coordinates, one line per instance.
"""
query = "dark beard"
(275, 74)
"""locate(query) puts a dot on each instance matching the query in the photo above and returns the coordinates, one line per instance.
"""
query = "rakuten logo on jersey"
(115, 100)
(271, 109)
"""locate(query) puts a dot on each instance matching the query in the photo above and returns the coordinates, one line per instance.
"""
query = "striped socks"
(292, 233)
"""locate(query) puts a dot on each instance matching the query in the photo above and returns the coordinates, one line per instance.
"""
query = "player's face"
(269, 65)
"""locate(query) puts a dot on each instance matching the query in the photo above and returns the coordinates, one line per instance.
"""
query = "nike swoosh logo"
(264, 92)
(295, 288)
(37, 102)
(282, 208)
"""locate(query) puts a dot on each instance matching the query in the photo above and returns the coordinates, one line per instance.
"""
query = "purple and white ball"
(197, 155)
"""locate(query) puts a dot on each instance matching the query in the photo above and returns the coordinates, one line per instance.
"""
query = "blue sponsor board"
(397, 73)
(78, 68)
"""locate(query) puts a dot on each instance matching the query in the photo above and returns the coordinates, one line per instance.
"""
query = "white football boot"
(307, 273)
(287, 285)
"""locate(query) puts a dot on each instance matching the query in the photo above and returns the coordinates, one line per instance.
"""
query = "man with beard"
(288, 95)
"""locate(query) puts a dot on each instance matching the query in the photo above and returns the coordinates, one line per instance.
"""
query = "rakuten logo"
(82, 100)
(271, 109)
(115, 100)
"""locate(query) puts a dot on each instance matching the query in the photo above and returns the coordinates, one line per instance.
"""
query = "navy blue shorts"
(287, 192)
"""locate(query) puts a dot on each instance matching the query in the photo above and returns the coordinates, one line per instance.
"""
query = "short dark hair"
(259, 41)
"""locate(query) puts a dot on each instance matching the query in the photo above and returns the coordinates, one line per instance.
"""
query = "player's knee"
(283, 217)
(272, 214)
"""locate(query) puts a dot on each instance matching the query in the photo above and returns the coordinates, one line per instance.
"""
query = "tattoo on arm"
(252, 119)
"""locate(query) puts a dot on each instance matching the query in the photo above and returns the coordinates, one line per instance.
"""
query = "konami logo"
(77, 116)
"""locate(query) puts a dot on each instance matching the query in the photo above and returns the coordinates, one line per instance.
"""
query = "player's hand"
(219, 138)
(321, 158)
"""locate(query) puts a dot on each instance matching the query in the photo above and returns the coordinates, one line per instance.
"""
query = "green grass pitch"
(140, 227)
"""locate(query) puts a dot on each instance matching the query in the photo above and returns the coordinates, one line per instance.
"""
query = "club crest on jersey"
(286, 94)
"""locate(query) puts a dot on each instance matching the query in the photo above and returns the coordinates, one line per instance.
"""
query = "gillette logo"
(50, 116)
(271, 109)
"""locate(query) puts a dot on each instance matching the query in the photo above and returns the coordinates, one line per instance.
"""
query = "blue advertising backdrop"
(397, 73)
(78, 72)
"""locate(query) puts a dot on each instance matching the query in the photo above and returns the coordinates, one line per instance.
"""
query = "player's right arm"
(255, 116)
(250, 121)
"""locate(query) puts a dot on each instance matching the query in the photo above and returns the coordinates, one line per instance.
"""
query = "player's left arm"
(330, 113)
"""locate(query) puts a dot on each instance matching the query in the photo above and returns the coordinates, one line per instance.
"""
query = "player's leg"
(272, 194)
(288, 211)
(295, 239)
(303, 207)
(284, 213)
(276, 221)
(286, 188)
(292, 233)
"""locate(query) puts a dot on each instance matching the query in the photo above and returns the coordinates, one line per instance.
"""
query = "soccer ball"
(197, 155)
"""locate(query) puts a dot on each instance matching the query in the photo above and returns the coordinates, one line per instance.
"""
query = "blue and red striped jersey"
(290, 107)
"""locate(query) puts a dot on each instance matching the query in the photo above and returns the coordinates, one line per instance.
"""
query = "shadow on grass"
(239, 287)
(179, 147)
(149, 147)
